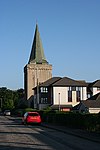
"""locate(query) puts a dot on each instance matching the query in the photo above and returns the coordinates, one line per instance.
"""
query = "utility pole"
(37, 77)
(37, 94)
(59, 100)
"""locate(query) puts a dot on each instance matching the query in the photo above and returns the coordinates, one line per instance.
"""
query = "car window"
(7, 110)
(33, 114)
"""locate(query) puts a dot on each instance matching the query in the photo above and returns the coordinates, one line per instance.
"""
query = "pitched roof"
(77, 107)
(95, 84)
(95, 97)
(93, 102)
(50, 81)
(69, 82)
(37, 53)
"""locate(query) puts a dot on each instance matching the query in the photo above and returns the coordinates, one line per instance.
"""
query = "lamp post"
(37, 82)
(59, 100)
(37, 94)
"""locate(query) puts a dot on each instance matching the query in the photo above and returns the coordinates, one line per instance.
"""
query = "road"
(15, 136)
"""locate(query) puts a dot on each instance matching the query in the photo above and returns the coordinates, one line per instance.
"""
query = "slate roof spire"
(37, 53)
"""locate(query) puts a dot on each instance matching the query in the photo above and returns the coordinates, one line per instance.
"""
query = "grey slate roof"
(50, 81)
(95, 97)
(95, 84)
(93, 102)
(69, 82)
(37, 53)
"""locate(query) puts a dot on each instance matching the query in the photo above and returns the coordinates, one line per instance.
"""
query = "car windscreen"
(33, 114)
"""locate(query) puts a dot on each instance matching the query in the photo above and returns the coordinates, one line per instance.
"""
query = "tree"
(8, 104)
(10, 99)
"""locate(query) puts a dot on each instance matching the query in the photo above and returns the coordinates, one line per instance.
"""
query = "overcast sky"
(70, 33)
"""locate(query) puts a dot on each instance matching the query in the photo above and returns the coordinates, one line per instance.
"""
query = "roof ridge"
(66, 81)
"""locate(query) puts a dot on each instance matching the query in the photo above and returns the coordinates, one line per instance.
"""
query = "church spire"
(37, 53)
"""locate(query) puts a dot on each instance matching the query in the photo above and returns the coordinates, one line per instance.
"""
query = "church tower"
(38, 69)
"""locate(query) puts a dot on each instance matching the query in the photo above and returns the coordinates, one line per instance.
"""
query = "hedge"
(89, 122)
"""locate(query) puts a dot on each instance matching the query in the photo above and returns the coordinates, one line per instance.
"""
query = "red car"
(31, 117)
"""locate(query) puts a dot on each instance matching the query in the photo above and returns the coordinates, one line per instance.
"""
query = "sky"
(70, 33)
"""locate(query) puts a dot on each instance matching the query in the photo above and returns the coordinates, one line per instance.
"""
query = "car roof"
(7, 110)
(32, 112)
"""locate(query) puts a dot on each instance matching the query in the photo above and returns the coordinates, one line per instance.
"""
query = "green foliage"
(29, 109)
(8, 104)
(47, 109)
(17, 112)
(10, 99)
(89, 122)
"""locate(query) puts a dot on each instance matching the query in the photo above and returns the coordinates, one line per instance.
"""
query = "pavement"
(91, 136)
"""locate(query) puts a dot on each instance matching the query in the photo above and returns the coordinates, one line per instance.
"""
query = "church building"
(59, 93)
(38, 70)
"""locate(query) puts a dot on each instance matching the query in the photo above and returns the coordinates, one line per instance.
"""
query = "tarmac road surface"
(15, 136)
